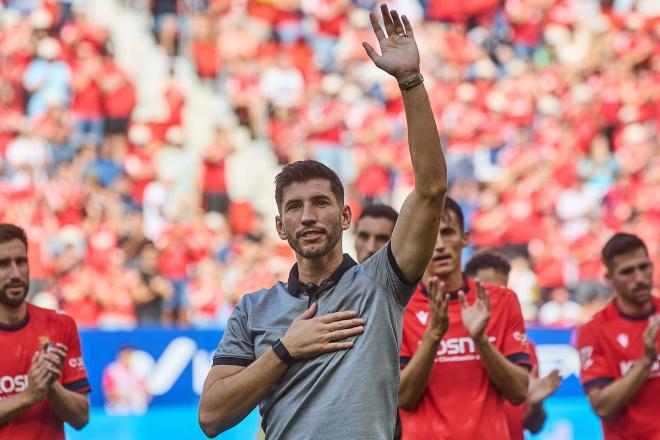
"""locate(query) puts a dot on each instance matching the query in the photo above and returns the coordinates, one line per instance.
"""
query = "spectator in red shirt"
(87, 98)
(118, 102)
(214, 182)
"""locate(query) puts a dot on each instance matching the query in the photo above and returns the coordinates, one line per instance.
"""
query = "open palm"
(399, 54)
(540, 389)
(475, 317)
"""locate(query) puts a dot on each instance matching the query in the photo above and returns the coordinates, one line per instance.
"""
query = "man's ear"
(280, 228)
(346, 217)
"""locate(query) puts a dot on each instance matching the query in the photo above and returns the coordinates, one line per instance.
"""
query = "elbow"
(603, 412)
(210, 427)
(406, 402)
(517, 398)
(80, 422)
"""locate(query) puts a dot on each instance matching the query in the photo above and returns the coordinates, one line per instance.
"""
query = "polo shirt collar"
(452, 295)
(295, 286)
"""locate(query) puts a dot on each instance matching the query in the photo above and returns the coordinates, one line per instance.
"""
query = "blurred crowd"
(549, 112)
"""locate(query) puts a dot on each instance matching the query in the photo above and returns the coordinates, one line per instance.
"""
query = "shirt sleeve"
(515, 346)
(74, 373)
(384, 270)
(236, 346)
(594, 369)
(406, 350)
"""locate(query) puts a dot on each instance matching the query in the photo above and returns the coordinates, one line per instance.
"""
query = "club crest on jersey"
(585, 356)
(622, 339)
(422, 316)
(43, 340)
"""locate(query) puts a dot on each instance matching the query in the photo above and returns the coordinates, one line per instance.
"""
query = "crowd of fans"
(549, 113)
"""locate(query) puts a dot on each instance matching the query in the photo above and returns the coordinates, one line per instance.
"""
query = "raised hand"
(651, 339)
(399, 54)
(541, 389)
(310, 336)
(475, 317)
(438, 303)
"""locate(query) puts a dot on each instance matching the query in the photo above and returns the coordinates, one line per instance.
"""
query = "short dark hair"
(379, 210)
(452, 205)
(304, 171)
(9, 232)
(487, 259)
(621, 243)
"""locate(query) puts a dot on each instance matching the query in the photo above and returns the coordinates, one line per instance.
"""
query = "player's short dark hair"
(9, 232)
(621, 243)
(452, 205)
(379, 210)
(487, 259)
(304, 171)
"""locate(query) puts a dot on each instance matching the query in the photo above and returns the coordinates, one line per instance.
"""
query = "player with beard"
(464, 350)
(491, 267)
(43, 382)
(619, 346)
(320, 352)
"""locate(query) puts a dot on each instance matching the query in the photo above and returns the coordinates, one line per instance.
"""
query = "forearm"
(70, 406)
(534, 417)
(609, 400)
(13, 406)
(415, 376)
(427, 157)
(228, 401)
(510, 379)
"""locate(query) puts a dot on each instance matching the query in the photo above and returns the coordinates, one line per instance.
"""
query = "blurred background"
(139, 141)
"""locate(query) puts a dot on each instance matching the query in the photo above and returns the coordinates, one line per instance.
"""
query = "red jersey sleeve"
(594, 369)
(406, 352)
(74, 374)
(515, 346)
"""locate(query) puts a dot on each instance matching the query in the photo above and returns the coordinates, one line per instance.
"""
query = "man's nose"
(308, 215)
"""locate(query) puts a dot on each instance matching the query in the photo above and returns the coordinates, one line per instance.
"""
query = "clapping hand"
(475, 317)
(399, 54)
(438, 303)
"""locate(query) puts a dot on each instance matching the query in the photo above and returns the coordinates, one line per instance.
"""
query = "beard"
(332, 238)
(12, 300)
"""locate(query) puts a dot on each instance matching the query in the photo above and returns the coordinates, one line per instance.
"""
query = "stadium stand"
(139, 140)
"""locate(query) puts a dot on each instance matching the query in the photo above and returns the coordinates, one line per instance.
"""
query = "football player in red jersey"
(491, 267)
(618, 347)
(43, 382)
(464, 350)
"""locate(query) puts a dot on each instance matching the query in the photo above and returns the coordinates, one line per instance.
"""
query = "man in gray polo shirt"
(320, 353)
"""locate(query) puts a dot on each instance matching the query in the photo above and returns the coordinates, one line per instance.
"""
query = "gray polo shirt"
(345, 395)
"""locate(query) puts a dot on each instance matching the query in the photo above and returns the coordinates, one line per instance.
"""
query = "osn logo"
(161, 375)
(13, 384)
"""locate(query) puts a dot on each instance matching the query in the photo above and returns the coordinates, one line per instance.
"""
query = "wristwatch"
(282, 353)
(411, 82)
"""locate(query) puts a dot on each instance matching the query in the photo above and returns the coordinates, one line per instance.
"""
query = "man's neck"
(315, 270)
(12, 315)
(634, 310)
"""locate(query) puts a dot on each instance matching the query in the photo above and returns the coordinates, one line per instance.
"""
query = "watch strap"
(282, 353)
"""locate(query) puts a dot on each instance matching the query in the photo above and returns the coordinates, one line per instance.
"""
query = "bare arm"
(608, 401)
(231, 392)
(510, 379)
(417, 227)
(415, 375)
(70, 406)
